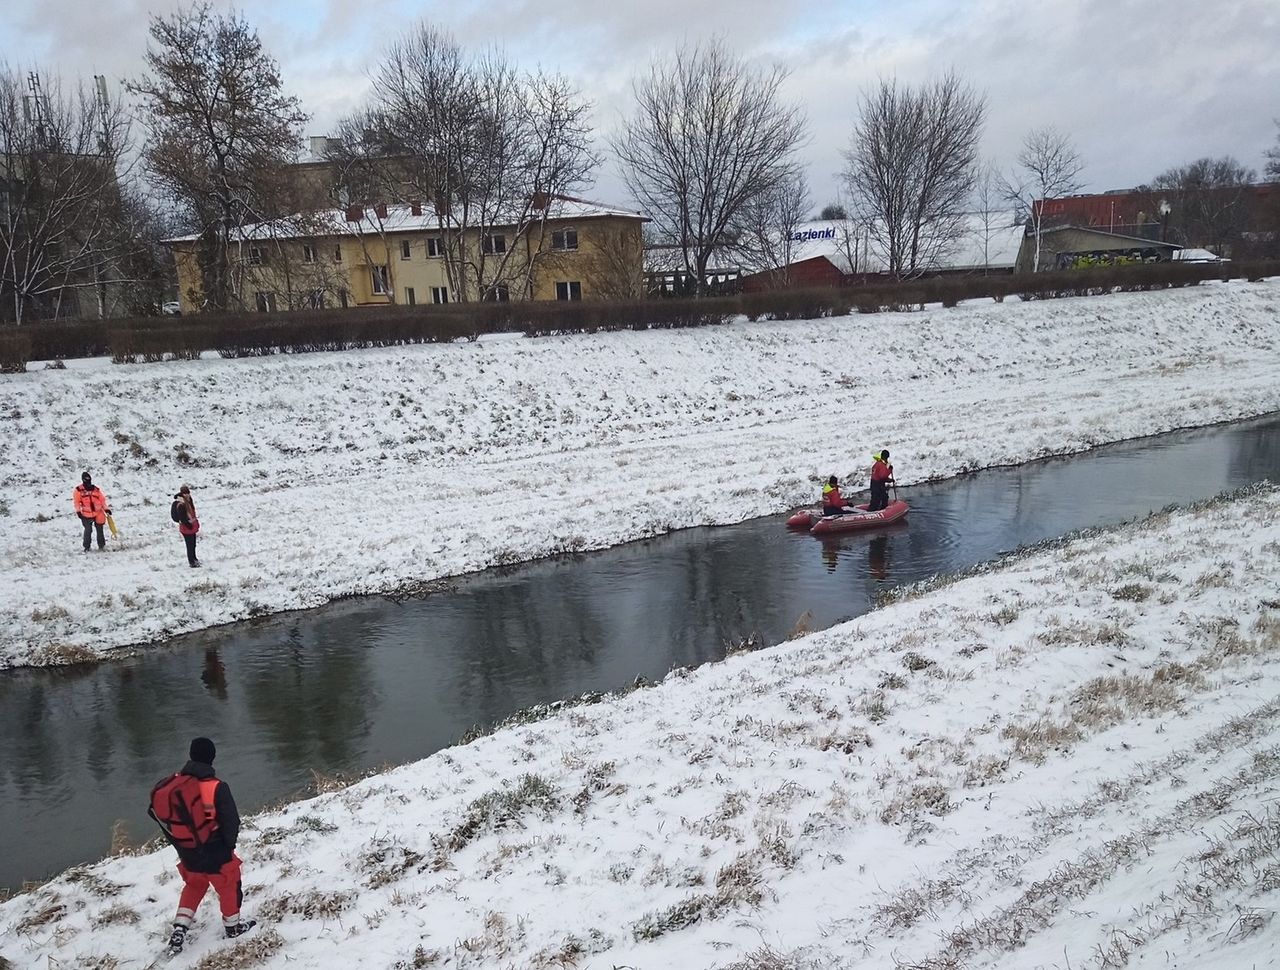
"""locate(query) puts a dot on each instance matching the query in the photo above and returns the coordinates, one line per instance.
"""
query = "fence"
(150, 339)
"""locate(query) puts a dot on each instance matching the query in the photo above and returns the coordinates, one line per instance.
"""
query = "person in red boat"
(832, 501)
(881, 476)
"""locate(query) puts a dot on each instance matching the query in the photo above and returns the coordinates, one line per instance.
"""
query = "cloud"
(1140, 85)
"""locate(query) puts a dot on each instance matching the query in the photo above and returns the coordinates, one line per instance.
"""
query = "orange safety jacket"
(90, 503)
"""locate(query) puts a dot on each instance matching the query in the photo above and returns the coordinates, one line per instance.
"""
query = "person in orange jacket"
(881, 476)
(91, 506)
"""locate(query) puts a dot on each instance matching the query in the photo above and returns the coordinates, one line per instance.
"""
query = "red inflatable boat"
(822, 525)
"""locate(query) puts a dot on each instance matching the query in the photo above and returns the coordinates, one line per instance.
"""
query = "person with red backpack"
(198, 816)
(183, 512)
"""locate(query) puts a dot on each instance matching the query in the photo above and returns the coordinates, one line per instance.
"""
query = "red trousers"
(225, 882)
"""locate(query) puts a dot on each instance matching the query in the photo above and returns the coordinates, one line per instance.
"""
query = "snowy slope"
(331, 474)
(1071, 760)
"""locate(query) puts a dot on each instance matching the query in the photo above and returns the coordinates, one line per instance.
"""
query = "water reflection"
(366, 682)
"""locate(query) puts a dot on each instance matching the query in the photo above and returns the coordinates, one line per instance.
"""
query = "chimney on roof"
(442, 208)
(319, 145)
(541, 200)
(381, 210)
(415, 207)
(355, 213)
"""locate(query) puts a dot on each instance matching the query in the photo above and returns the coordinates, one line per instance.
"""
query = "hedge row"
(302, 331)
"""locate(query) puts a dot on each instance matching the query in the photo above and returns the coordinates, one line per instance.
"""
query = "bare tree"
(709, 136)
(490, 147)
(1048, 167)
(61, 175)
(1273, 157)
(1208, 201)
(988, 199)
(221, 131)
(910, 167)
(764, 233)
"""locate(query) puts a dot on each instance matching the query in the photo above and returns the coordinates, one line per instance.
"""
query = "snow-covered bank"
(1069, 760)
(332, 474)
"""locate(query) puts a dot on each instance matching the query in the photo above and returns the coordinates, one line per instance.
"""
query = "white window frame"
(567, 288)
(337, 253)
(435, 247)
(406, 249)
(255, 256)
(439, 295)
(491, 243)
(264, 301)
(410, 297)
(308, 253)
(380, 278)
(560, 240)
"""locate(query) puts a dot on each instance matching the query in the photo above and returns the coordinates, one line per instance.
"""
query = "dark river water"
(363, 683)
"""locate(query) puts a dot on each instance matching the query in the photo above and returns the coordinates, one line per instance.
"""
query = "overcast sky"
(1140, 85)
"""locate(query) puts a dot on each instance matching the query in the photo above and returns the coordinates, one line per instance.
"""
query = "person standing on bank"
(881, 476)
(90, 503)
(183, 512)
(198, 816)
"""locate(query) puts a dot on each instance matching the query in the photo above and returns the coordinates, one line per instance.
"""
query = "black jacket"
(217, 852)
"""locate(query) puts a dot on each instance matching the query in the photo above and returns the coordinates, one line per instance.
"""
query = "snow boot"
(177, 939)
(241, 928)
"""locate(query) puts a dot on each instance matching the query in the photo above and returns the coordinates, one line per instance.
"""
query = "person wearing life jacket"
(832, 501)
(881, 476)
(183, 512)
(212, 862)
(91, 506)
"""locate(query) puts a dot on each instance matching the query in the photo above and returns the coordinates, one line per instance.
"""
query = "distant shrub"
(15, 352)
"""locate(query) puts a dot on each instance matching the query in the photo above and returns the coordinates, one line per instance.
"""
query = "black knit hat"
(202, 750)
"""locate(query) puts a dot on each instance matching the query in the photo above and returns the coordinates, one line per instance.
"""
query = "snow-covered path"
(1069, 760)
(332, 474)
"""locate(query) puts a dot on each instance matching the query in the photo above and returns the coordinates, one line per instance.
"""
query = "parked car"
(171, 309)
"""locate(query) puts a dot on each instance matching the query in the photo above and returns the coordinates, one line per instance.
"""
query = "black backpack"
(175, 511)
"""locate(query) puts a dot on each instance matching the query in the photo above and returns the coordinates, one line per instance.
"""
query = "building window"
(255, 256)
(439, 294)
(569, 291)
(498, 294)
(265, 301)
(564, 239)
(406, 249)
(379, 276)
(410, 297)
(342, 298)
(308, 254)
(495, 244)
(435, 246)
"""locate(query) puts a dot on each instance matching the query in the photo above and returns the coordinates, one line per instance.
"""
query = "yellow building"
(379, 255)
